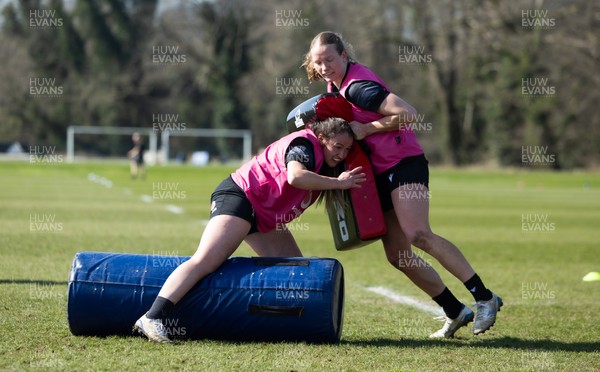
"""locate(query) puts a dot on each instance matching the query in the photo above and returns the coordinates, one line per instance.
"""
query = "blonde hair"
(328, 129)
(326, 38)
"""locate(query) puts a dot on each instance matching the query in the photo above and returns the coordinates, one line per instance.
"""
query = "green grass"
(479, 210)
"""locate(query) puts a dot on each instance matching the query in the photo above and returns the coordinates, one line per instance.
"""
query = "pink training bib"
(264, 181)
(387, 148)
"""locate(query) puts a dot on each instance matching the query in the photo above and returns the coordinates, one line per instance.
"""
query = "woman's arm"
(302, 178)
(396, 111)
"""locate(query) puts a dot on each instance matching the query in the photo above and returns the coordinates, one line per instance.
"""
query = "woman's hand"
(385, 124)
(351, 179)
(396, 112)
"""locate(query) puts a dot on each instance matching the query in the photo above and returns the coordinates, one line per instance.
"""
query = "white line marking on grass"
(100, 180)
(145, 198)
(174, 209)
(401, 299)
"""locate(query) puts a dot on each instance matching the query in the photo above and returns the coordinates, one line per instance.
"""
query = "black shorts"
(229, 199)
(414, 169)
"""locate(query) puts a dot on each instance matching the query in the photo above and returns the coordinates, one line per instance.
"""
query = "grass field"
(531, 236)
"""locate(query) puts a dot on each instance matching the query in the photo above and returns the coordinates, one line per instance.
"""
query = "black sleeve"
(302, 151)
(366, 94)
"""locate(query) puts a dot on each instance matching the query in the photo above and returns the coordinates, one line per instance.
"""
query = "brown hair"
(331, 127)
(328, 129)
(326, 38)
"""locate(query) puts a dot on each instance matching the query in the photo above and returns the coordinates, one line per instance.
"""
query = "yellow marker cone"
(592, 277)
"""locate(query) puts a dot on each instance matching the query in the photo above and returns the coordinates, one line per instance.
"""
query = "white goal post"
(82, 129)
(244, 134)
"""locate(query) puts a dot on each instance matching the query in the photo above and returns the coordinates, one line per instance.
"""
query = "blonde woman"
(402, 176)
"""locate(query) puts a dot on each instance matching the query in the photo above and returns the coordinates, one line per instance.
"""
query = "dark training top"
(302, 151)
(366, 94)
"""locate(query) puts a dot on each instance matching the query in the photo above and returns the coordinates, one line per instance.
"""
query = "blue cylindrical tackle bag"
(246, 299)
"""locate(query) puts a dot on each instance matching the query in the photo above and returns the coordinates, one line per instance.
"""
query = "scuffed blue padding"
(263, 299)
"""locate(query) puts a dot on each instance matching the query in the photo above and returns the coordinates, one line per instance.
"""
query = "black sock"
(477, 289)
(160, 309)
(451, 305)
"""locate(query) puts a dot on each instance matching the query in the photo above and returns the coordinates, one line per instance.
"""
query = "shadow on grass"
(33, 281)
(502, 342)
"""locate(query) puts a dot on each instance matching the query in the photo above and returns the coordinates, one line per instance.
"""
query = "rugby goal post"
(72, 130)
(244, 134)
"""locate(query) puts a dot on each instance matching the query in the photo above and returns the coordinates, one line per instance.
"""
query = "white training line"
(127, 191)
(174, 209)
(100, 180)
(401, 299)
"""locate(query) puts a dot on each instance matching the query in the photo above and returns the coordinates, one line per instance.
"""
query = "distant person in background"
(136, 155)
